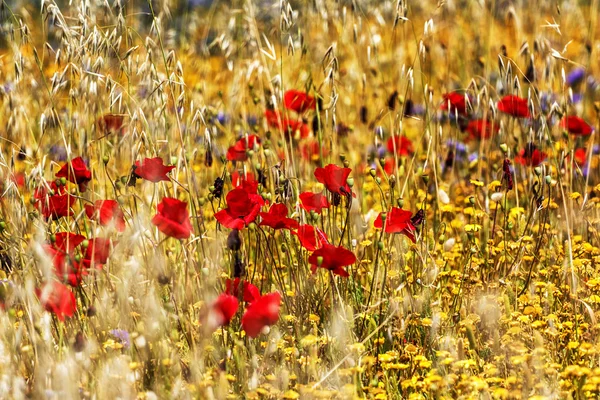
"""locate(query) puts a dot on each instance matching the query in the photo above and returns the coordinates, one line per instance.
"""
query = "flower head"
(313, 202)
(530, 156)
(576, 126)
(76, 172)
(97, 252)
(481, 129)
(515, 106)
(455, 102)
(250, 292)
(224, 308)
(298, 101)
(261, 313)
(401, 145)
(311, 238)
(152, 169)
(277, 218)
(242, 209)
(332, 258)
(173, 219)
(238, 152)
(57, 299)
(334, 178)
(106, 212)
(397, 220)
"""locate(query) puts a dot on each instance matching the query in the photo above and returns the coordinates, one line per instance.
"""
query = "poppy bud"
(383, 216)
(378, 180)
(425, 178)
(342, 157)
(163, 279)
(350, 182)
(538, 171)
(79, 343)
(472, 200)
(372, 172)
(314, 215)
(319, 261)
(364, 114)
(392, 181)
(85, 244)
(504, 148)
(77, 258)
(105, 159)
(252, 226)
(63, 181)
(346, 164)
(234, 242)
(52, 237)
(208, 158)
(380, 245)
(548, 179)
(400, 203)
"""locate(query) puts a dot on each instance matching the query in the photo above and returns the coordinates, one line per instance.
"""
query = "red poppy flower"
(109, 123)
(242, 209)
(238, 179)
(106, 212)
(238, 152)
(67, 241)
(251, 292)
(389, 166)
(298, 101)
(580, 156)
(152, 169)
(224, 308)
(313, 202)
(97, 252)
(334, 178)
(397, 221)
(273, 117)
(576, 126)
(311, 238)
(58, 299)
(401, 144)
(530, 156)
(57, 206)
(311, 151)
(290, 126)
(455, 102)
(276, 218)
(77, 172)
(173, 219)
(261, 313)
(332, 258)
(481, 129)
(66, 268)
(19, 179)
(296, 129)
(515, 106)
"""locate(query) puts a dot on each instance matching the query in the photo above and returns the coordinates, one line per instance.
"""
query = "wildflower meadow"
(285, 199)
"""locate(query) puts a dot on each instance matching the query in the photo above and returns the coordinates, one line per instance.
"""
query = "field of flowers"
(328, 199)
